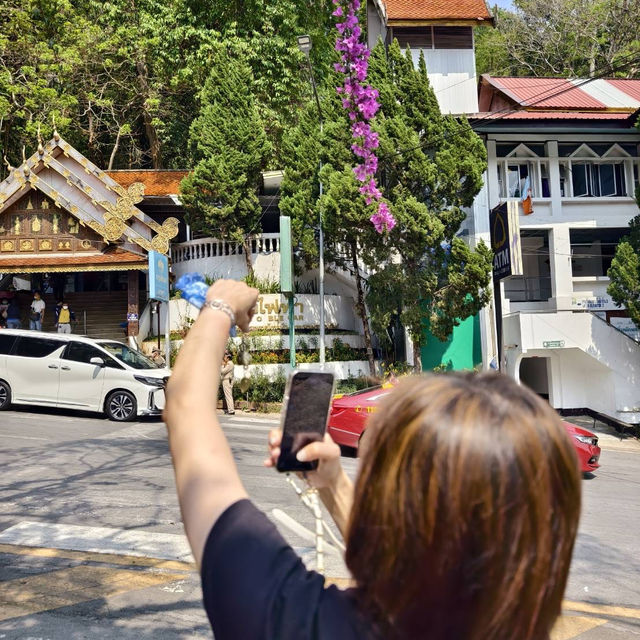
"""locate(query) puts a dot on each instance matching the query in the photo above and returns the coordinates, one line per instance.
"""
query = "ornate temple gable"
(35, 225)
(75, 185)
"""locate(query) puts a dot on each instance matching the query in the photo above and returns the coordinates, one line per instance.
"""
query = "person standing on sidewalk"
(226, 379)
(36, 312)
(64, 316)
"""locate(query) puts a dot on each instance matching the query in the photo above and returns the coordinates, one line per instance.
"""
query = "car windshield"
(129, 356)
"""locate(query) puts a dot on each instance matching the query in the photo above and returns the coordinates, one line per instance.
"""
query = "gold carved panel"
(8, 245)
(45, 244)
(27, 244)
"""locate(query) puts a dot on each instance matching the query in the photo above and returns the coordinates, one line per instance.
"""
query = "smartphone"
(304, 420)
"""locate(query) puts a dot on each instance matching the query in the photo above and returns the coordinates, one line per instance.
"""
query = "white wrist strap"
(221, 305)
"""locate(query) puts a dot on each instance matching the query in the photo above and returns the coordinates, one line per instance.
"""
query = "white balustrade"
(204, 248)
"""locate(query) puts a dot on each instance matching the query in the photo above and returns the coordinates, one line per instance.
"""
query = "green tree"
(432, 168)
(568, 38)
(230, 150)
(625, 272)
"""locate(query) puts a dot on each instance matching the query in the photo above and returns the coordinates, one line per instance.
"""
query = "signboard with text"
(158, 276)
(505, 240)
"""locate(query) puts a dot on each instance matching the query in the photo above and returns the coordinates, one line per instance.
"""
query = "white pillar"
(554, 178)
(561, 273)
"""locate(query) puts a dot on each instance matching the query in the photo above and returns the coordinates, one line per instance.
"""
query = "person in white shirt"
(36, 313)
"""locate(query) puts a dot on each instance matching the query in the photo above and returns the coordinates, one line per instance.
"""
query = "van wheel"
(5, 396)
(121, 406)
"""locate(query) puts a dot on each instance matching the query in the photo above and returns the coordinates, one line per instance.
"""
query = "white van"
(72, 372)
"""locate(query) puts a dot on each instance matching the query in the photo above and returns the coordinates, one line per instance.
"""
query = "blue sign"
(158, 276)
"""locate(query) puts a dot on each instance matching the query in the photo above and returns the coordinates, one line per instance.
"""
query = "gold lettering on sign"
(74, 227)
(36, 224)
(26, 245)
(17, 225)
(55, 222)
(8, 245)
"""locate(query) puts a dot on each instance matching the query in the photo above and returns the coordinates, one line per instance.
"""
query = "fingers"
(325, 450)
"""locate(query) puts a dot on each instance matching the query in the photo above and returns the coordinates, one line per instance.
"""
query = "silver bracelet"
(221, 305)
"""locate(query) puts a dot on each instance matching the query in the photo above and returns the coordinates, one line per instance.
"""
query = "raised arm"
(207, 479)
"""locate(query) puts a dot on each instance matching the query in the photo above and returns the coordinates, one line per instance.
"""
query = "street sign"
(286, 256)
(158, 276)
(505, 240)
(553, 344)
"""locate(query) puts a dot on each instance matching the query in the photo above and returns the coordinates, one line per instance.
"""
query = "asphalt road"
(73, 485)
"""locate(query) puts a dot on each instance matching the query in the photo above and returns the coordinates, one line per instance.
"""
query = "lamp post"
(304, 44)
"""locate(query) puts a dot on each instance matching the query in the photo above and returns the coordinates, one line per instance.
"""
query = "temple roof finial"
(25, 168)
(56, 135)
(6, 161)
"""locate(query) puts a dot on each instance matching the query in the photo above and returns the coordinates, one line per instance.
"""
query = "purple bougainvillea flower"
(360, 100)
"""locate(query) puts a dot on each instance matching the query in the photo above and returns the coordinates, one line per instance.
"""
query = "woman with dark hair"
(461, 524)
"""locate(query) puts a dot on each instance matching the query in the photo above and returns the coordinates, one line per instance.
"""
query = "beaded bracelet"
(221, 305)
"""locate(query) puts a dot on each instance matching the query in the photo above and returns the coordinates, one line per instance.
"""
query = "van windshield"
(129, 356)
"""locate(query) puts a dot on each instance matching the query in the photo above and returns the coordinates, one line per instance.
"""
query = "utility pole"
(304, 44)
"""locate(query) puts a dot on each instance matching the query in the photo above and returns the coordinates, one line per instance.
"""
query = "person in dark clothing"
(461, 524)
(13, 314)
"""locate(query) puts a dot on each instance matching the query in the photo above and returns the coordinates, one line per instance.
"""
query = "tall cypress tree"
(431, 168)
(230, 150)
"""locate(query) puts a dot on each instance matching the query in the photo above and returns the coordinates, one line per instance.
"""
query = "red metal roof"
(437, 10)
(549, 93)
(156, 182)
(549, 115)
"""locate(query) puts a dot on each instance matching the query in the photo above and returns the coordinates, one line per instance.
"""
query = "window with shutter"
(453, 37)
(414, 37)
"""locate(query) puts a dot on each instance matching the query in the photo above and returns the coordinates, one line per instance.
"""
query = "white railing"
(203, 248)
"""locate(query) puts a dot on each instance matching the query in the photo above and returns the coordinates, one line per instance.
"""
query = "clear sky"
(505, 4)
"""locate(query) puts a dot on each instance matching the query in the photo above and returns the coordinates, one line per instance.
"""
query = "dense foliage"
(625, 272)
(568, 38)
(123, 77)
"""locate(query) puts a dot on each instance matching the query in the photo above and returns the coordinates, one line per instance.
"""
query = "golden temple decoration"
(36, 224)
(45, 204)
(29, 204)
(64, 245)
(55, 223)
(2, 229)
(26, 245)
(45, 245)
(17, 226)
(74, 226)
(8, 245)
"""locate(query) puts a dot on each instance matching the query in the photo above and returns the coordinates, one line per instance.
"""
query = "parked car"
(349, 414)
(73, 372)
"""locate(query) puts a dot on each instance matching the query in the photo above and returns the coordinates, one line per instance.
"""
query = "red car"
(349, 414)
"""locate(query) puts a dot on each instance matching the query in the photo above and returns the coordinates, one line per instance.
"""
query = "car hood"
(573, 429)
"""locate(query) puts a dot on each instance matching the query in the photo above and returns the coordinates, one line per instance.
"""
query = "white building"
(577, 143)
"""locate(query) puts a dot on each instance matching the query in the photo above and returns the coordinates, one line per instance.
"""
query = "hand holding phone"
(304, 420)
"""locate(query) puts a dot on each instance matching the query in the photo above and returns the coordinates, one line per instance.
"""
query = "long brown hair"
(466, 510)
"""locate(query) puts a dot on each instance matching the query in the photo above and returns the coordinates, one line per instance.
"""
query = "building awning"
(116, 260)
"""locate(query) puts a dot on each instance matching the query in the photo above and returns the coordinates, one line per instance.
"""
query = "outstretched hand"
(239, 296)
(325, 451)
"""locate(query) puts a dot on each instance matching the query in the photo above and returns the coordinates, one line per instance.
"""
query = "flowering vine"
(361, 102)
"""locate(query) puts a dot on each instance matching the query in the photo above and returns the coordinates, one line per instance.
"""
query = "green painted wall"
(462, 351)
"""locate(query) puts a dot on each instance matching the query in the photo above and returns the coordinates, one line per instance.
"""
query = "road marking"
(66, 587)
(167, 546)
(568, 627)
(601, 609)
(4, 435)
(99, 558)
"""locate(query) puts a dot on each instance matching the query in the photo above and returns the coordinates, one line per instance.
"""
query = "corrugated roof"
(564, 115)
(608, 93)
(437, 10)
(156, 182)
(549, 93)
(630, 87)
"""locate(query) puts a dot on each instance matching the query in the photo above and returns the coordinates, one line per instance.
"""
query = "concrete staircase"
(103, 310)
